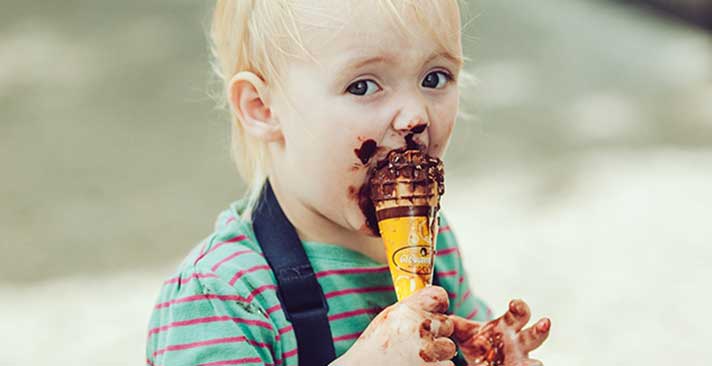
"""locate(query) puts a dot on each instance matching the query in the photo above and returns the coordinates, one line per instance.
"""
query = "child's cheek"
(358, 192)
(365, 219)
(440, 135)
(441, 141)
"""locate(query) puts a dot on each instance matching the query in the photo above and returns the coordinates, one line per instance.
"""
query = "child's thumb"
(432, 299)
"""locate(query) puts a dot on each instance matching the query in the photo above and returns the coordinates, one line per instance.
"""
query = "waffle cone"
(408, 195)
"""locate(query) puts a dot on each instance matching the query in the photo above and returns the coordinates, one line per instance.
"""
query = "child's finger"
(532, 337)
(463, 329)
(439, 349)
(518, 314)
(440, 325)
(436, 325)
(432, 299)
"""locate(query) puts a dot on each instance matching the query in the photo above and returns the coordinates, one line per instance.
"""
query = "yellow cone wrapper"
(409, 247)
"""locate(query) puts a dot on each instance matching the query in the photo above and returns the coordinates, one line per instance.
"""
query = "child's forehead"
(353, 28)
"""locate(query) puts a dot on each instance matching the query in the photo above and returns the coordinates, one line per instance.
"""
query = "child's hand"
(501, 341)
(412, 332)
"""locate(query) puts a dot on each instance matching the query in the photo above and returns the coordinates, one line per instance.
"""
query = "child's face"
(369, 86)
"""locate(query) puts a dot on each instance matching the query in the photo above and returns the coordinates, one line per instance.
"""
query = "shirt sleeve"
(467, 304)
(450, 267)
(202, 320)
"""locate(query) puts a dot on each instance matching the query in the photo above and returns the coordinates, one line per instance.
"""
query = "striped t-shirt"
(221, 306)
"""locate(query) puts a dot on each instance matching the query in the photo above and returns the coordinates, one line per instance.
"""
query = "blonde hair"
(258, 36)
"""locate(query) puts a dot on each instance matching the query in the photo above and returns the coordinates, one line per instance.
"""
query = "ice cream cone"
(405, 190)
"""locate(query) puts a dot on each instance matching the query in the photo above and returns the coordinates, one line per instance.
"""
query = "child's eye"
(436, 80)
(363, 87)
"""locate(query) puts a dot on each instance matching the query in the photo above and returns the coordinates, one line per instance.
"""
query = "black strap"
(299, 292)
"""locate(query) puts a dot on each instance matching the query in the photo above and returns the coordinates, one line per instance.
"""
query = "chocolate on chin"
(405, 189)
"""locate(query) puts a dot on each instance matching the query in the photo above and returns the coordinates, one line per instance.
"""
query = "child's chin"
(366, 230)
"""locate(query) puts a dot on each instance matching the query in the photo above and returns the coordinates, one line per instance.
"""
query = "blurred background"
(581, 180)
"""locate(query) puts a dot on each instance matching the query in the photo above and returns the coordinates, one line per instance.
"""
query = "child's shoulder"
(230, 255)
(231, 244)
(224, 286)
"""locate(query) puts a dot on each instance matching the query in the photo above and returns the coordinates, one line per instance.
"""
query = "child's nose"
(412, 118)
(415, 125)
(410, 132)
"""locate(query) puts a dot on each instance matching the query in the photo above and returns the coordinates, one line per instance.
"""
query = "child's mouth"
(369, 147)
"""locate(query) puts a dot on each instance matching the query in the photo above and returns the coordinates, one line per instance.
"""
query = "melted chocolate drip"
(495, 355)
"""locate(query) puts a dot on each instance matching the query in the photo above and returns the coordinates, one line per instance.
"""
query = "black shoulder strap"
(299, 292)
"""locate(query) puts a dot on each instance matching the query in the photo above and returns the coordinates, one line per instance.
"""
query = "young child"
(319, 91)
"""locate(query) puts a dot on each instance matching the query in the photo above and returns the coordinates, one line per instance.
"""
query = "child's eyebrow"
(363, 61)
(389, 59)
(457, 60)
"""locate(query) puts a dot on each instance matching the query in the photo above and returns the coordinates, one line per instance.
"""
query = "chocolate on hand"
(501, 342)
(414, 331)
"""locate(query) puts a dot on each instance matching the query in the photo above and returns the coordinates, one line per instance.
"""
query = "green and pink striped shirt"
(221, 306)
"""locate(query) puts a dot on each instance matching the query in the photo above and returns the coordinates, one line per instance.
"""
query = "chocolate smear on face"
(418, 129)
(410, 144)
(366, 151)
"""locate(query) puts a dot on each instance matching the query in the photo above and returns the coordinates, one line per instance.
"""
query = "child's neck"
(313, 226)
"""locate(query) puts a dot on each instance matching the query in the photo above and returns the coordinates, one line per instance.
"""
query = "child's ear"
(249, 98)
